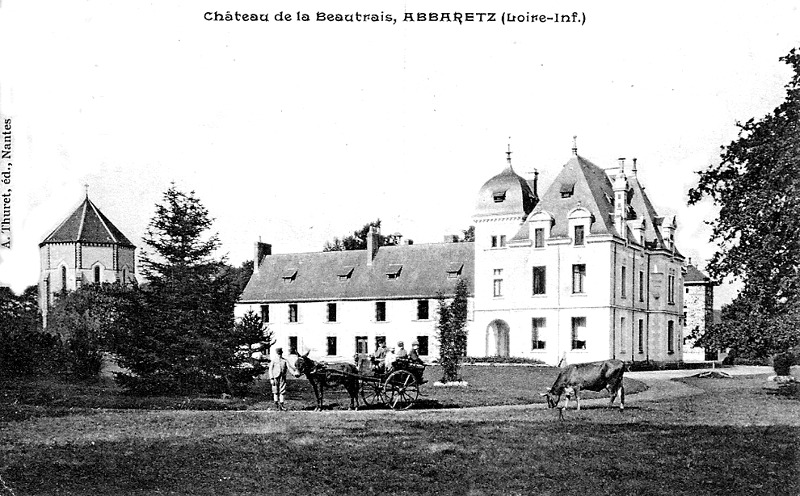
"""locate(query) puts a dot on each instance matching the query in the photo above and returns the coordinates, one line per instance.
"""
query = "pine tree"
(451, 331)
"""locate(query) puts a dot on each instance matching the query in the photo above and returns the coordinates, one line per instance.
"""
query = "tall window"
(578, 235)
(578, 278)
(265, 313)
(423, 345)
(124, 275)
(97, 274)
(292, 344)
(63, 278)
(578, 333)
(380, 311)
(641, 336)
(362, 345)
(331, 312)
(331, 348)
(537, 325)
(671, 286)
(641, 285)
(292, 312)
(539, 280)
(498, 283)
(622, 334)
(538, 237)
(624, 278)
(422, 310)
(670, 337)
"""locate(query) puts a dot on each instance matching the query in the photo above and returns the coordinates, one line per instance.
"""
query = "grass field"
(735, 438)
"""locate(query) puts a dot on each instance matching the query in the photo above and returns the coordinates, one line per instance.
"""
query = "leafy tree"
(451, 331)
(88, 319)
(24, 348)
(358, 240)
(469, 234)
(757, 188)
(186, 341)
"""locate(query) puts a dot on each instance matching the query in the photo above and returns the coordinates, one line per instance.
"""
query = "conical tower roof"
(87, 224)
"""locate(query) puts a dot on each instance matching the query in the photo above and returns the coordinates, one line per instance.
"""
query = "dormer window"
(454, 270)
(393, 272)
(579, 236)
(345, 273)
(499, 196)
(289, 275)
(567, 188)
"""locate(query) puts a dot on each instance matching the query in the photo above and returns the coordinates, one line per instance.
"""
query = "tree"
(186, 341)
(756, 185)
(469, 234)
(358, 240)
(24, 348)
(451, 331)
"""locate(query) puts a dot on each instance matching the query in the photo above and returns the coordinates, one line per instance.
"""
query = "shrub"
(782, 362)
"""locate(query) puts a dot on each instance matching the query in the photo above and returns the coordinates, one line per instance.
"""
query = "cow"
(594, 376)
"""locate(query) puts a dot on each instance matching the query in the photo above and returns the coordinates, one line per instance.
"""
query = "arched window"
(63, 278)
(97, 274)
(124, 275)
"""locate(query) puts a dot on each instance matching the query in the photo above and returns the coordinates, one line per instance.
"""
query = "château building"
(587, 271)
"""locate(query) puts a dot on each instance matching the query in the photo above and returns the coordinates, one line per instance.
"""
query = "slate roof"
(518, 194)
(423, 271)
(590, 187)
(695, 276)
(87, 224)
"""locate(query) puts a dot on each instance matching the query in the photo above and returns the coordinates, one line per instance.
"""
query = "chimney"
(633, 168)
(620, 199)
(373, 243)
(260, 251)
(536, 182)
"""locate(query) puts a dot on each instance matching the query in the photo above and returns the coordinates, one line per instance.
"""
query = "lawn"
(735, 438)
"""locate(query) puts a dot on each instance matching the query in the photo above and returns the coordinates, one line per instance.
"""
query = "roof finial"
(86, 188)
(575, 145)
(508, 153)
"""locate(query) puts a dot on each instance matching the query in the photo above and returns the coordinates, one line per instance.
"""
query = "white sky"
(299, 132)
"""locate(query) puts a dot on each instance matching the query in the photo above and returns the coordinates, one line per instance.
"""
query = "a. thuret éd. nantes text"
(5, 183)
(504, 18)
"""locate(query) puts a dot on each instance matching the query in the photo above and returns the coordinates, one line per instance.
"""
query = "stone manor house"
(585, 271)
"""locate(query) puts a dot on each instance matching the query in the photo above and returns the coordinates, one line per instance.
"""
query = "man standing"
(277, 378)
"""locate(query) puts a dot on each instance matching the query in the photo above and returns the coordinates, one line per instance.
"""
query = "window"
(97, 274)
(331, 348)
(289, 275)
(498, 241)
(624, 278)
(671, 287)
(454, 269)
(292, 345)
(537, 325)
(380, 311)
(687, 290)
(393, 272)
(539, 281)
(124, 275)
(578, 235)
(641, 336)
(622, 333)
(63, 278)
(641, 285)
(265, 313)
(578, 278)
(670, 337)
(423, 345)
(292, 312)
(498, 283)
(499, 196)
(362, 346)
(578, 333)
(345, 272)
(538, 237)
(422, 310)
(567, 188)
(331, 312)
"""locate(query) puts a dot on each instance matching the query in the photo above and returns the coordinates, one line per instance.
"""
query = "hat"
(279, 350)
(400, 344)
(415, 343)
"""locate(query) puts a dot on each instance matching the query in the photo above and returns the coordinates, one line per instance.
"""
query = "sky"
(294, 132)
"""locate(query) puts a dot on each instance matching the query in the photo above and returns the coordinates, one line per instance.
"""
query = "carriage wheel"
(401, 390)
(372, 393)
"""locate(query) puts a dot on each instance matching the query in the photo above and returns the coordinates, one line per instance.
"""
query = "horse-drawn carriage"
(397, 386)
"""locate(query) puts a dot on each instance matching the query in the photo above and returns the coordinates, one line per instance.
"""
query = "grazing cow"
(594, 376)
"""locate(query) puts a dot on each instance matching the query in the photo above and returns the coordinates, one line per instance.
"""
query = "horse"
(329, 375)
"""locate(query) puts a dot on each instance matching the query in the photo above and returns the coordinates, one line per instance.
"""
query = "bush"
(782, 362)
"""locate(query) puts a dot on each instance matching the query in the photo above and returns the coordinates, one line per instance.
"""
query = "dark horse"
(329, 375)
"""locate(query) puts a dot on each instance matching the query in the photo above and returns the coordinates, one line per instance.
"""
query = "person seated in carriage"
(413, 355)
(401, 351)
